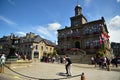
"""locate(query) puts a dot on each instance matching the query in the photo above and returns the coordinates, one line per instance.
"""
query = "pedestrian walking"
(92, 60)
(2, 62)
(68, 65)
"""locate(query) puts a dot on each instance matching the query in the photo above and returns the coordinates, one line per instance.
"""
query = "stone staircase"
(83, 59)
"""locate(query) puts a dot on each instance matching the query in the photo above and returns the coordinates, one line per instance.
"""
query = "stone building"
(115, 48)
(36, 45)
(83, 36)
(31, 45)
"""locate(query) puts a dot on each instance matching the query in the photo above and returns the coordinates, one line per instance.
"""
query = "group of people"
(104, 62)
(22, 56)
(66, 59)
(115, 61)
(52, 59)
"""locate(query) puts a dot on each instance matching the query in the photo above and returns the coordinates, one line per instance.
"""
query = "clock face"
(76, 22)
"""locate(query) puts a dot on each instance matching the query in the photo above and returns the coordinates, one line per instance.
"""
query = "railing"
(67, 77)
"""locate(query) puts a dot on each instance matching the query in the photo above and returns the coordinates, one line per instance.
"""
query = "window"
(29, 45)
(68, 34)
(50, 49)
(95, 30)
(26, 45)
(62, 36)
(42, 48)
(46, 48)
(16, 41)
(87, 31)
(36, 47)
(68, 46)
(36, 54)
(96, 42)
(87, 43)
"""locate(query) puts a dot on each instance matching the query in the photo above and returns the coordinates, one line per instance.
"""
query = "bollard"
(95, 64)
(83, 77)
(2, 68)
(108, 68)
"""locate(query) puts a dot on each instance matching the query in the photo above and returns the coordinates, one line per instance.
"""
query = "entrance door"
(77, 45)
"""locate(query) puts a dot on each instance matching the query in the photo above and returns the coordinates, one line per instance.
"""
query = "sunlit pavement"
(38, 70)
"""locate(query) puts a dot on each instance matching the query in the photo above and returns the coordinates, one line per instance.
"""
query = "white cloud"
(21, 33)
(114, 23)
(114, 35)
(49, 31)
(44, 30)
(54, 26)
(114, 29)
(10, 22)
(118, 1)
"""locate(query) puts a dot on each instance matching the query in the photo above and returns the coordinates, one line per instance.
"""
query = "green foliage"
(48, 54)
(51, 53)
(54, 52)
(101, 52)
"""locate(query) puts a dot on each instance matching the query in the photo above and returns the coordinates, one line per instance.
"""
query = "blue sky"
(45, 17)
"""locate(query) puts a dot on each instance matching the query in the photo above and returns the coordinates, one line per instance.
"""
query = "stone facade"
(83, 36)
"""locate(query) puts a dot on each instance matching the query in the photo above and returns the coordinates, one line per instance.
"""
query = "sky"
(45, 17)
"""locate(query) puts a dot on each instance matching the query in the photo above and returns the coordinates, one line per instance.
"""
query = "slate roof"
(35, 39)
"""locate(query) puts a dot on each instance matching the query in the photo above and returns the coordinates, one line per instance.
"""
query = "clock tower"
(78, 18)
(78, 10)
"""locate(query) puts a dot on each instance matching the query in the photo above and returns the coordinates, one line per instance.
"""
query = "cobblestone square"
(51, 71)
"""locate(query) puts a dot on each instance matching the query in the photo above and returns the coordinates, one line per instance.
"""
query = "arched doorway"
(77, 44)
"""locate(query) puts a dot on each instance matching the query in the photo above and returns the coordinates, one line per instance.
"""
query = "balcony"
(75, 49)
(87, 47)
(95, 31)
(61, 37)
(68, 36)
(96, 47)
(76, 35)
(68, 49)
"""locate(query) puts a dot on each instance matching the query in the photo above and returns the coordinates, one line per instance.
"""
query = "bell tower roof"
(78, 10)
(78, 6)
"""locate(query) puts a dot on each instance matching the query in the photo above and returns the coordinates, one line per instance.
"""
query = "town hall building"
(83, 36)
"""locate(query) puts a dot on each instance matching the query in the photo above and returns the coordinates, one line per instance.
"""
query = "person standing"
(2, 62)
(68, 65)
